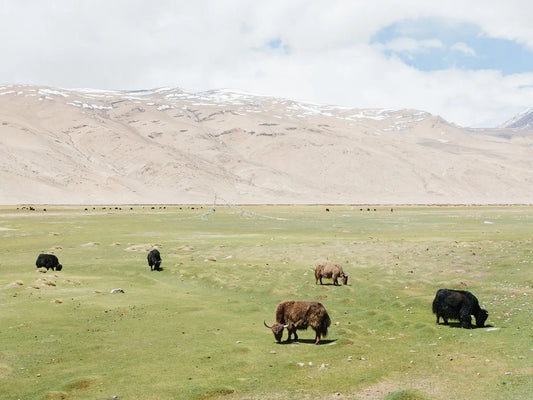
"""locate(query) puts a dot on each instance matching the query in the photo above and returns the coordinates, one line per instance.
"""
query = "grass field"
(195, 330)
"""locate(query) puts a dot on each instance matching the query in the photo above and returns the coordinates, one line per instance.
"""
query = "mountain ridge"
(86, 146)
(523, 120)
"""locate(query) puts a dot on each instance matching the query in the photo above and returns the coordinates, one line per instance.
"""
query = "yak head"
(481, 317)
(344, 279)
(59, 267)
(277, 330)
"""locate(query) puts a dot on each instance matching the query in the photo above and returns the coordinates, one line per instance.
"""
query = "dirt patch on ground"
(90, 244)
(430, 388)
(5, 371)
(80, 385)
(141, 247)
(380, 390)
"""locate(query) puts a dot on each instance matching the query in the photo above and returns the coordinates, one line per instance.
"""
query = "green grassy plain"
(195, 330)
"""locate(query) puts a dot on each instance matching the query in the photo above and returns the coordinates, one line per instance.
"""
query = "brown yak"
(330, 270)
(299, 315)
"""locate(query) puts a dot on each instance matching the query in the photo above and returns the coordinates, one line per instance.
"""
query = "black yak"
(299, 315)
(154, 260)
(48, 261)
(459, 304)
(330, 270)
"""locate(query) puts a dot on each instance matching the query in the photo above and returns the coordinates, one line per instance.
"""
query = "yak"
(299, 315)
(459, 304)
(154, 260)
(330, 270)
(48, 261)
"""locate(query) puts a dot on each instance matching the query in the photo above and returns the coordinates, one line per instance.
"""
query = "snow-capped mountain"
(168, 146)
(523, 120)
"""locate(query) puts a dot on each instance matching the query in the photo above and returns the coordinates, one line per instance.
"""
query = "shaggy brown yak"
(295, 315)
(330, 270)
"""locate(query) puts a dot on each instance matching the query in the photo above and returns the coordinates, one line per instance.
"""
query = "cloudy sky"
(469, 61)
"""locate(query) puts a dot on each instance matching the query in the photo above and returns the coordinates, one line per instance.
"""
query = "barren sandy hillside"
(167, 146)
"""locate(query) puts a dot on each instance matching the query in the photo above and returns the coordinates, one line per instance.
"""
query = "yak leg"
(317, 338)
(444, 319)
(296, 326)
(466, 321)
(289, 331)
(293, 326)
(292, 331)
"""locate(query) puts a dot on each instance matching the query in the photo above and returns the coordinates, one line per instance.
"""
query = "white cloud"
(412, 46)
(200, 45)
(463, 48)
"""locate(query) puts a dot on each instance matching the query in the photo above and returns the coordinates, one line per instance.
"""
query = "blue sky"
(469, 62)
(432, 44)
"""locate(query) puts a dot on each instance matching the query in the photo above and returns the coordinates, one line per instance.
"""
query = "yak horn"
(286, 326)
(269, 327)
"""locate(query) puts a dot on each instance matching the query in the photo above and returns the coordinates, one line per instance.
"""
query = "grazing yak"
(154, 260)
(48, 261)
(458, 304)
(299, 315)
(330, 270)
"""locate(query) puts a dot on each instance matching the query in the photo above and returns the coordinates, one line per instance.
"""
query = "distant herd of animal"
(299, 315)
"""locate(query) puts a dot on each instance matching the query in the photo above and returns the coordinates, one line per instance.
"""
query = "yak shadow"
(456, 324)
(331, 284)
(310, 341)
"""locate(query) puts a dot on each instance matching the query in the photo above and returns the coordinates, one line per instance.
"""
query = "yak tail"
(435, 306)
(437, 300)
(324, 324)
